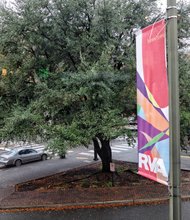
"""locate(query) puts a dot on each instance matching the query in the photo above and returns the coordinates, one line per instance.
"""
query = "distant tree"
(65, 35)
(184, 71)
(71, 70)
(184, 75)
(74, 110)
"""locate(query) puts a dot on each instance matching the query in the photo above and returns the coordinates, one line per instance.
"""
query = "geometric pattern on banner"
(152, 103)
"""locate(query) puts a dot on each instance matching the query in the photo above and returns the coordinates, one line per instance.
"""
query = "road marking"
(121, 149)
(116, 151)
(122, 146)
(87, 154)
(38, 147)
(82, 158)
(87, 161)
(185, 156)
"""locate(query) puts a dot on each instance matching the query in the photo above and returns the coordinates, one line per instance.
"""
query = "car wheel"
(18, 163)
(44, 157)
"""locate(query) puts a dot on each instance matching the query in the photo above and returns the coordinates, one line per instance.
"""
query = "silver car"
(19, 156)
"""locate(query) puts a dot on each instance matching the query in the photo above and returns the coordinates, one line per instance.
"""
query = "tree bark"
(104, 152)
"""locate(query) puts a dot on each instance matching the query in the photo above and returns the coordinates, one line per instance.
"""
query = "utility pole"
(174, 127)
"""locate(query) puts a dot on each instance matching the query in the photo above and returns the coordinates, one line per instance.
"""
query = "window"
(30, 151)
(22, 152)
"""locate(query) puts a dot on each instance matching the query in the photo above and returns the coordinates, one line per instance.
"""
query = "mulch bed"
(88, 185)
(89, 176)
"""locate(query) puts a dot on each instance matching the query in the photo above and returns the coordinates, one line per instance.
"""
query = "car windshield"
(9, 152)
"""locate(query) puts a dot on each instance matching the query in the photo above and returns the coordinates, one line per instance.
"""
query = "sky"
(163, 3)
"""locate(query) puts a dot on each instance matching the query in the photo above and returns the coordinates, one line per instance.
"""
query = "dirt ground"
(89, 176)
(88, 185)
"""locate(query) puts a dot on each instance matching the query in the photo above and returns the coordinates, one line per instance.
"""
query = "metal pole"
(172, 46)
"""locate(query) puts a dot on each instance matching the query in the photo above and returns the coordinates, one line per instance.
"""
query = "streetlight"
(174, 127)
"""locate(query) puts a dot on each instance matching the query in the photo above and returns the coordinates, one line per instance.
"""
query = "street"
(83, 77)
(156, 212)
(75, 157)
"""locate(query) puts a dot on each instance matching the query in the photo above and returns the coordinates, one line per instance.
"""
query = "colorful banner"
(152, 103)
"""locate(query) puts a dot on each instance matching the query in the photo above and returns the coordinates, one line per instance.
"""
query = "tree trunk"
(104, 153)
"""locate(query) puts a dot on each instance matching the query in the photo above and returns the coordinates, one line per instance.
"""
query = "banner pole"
(174, 127)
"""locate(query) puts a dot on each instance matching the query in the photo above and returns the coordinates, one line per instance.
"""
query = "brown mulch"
(89, 176)
(88, 184)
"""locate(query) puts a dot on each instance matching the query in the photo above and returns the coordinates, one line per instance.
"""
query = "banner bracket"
(171, 7)
(170, 17)
(169, 189)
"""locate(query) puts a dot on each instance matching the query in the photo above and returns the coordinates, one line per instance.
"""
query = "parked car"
(19, 156)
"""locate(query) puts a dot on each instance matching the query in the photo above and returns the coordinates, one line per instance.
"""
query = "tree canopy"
(71, 70)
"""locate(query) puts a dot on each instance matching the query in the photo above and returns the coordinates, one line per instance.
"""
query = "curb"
(90, 205)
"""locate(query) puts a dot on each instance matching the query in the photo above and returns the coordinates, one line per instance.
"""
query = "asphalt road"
(156, 212)
(11, 176)
(77, 157)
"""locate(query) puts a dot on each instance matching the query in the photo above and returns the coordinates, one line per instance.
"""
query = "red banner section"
(152, 103)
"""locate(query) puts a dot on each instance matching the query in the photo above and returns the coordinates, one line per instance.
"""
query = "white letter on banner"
(160, 167)
(156, 166)
(143, 160)
(152, 164)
